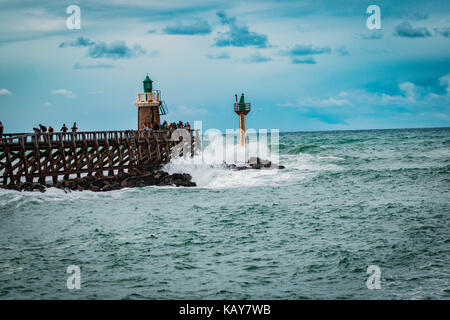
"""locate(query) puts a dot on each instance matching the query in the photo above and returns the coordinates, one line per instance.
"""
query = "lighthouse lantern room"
(150, 106)
(242, 108)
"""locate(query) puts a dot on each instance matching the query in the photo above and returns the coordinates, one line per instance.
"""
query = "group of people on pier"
(50, 129)
(147, 127)
(166, 126)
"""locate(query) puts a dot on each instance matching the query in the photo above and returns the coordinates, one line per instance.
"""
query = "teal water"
(346, 200)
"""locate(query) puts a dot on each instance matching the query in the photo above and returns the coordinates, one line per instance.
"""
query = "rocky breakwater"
(254, 163)
(115, 182)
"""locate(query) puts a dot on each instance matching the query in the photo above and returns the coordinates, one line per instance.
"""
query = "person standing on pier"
(43, 128)
(74, 128)
(1, 129)
(50, 129)
(64, 128)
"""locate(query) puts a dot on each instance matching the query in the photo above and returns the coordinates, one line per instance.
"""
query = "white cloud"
(63, 92)
(182, 110)
(411, 96)
(5, 92)
(47, 104)
(445, 81)
(323, 103)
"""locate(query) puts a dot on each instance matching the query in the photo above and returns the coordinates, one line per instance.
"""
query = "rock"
(99, 182)
(71, 184)
(149, 180)
(266, 163)
(157, 175)
(124, 183)
(256, 165)
(107, 188)
(254, 160)
(177, 176)
(116, 186)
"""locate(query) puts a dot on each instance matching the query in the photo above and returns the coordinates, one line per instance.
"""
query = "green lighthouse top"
(242, 103)
(241, 106)
(148, 84)
(241, 100)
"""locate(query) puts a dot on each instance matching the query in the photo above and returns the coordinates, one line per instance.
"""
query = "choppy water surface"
(346, 200)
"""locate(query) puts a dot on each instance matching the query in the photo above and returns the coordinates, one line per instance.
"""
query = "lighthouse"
(150, 106)
(242, 108)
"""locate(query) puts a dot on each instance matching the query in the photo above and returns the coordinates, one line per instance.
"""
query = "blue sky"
(304, 65)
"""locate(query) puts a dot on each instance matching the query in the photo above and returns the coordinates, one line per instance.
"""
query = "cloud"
(343, 51)
(417, 96)
(304, 50)
(324, 103)
(197, 27)
(302, 54)
(79, 66)
(182, 110)
(47, 104)
(445, 32)
(372, 35)
(303, 60)
(114, 50)
(411, 99)
(256, 58)
(238, 35)
(331, 110)
(5, 92)
(405, 29)
(63, 92)
(218, 56)
(417, 16)
(79, 42)
(409, 94)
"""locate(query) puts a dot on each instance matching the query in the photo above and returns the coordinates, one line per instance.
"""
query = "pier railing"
(29, 156)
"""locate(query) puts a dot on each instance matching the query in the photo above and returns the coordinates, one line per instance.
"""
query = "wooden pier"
(37, 156)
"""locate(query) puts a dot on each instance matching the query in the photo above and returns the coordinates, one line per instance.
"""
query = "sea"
(354, 215)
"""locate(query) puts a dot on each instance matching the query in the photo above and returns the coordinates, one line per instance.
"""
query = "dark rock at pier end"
(100, 182)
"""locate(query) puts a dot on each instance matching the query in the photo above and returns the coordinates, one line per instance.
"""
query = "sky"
(303, 65)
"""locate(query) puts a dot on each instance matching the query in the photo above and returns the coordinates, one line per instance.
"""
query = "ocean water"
(346, 200)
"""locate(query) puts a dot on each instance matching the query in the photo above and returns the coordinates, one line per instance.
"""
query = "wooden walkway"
(27, 157)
